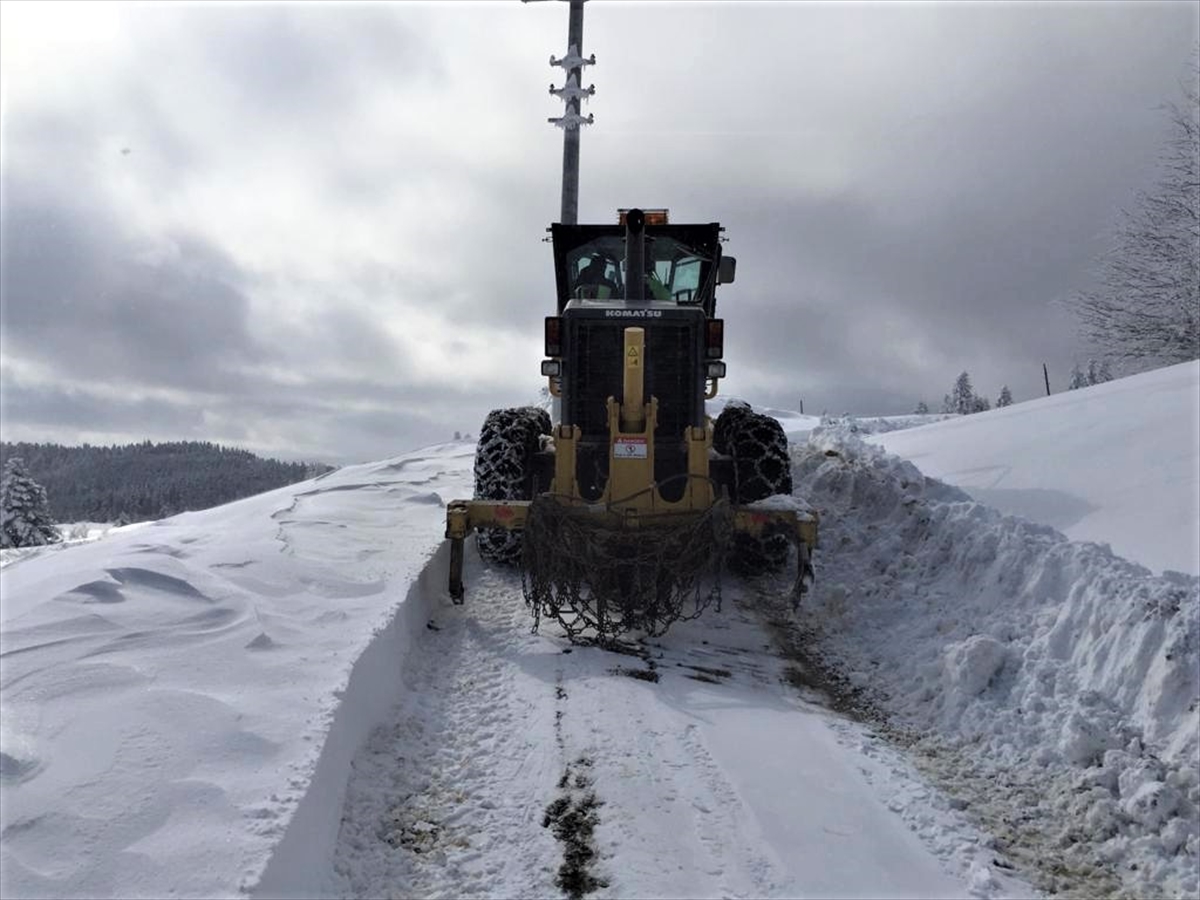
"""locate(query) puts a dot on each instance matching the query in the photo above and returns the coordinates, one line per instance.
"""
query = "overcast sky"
(315, 231)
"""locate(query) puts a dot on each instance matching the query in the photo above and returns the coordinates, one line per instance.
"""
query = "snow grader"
(624, 512)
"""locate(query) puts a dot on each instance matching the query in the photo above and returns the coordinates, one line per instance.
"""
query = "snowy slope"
(1117, 463)
(275, 697)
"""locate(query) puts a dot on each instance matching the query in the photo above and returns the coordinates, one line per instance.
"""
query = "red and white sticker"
(629, 448)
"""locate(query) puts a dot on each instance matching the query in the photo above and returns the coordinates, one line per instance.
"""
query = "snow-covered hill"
(276, 697)
(1117, 463)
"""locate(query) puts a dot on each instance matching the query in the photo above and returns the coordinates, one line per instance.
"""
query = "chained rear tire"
(761, 469)
(504, 470)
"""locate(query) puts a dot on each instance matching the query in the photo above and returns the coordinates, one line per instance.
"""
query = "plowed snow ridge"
(1061, 673)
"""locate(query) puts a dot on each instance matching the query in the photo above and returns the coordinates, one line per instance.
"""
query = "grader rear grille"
(595, 374)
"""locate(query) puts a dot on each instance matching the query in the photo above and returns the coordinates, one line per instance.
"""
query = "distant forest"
(139, 482)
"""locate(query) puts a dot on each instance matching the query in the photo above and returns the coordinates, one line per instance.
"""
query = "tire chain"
(762, 468)
(504, 471)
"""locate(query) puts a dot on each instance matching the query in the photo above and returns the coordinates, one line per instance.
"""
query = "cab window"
(685, 280)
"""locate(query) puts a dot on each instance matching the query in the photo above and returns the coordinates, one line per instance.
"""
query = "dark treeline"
(138, 482)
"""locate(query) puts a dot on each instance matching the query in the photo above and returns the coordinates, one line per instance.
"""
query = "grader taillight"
(714, 343)
(553, 336)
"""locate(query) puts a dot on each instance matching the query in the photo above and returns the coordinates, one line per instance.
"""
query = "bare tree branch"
(1147, 306)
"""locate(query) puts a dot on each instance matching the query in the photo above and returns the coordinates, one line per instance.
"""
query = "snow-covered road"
(517, 765)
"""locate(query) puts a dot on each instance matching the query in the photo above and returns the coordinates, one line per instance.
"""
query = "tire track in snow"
(684, 830)
(447, 799)
(721, 834)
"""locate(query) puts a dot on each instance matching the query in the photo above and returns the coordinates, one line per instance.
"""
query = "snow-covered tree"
(1078, 379)
(962, 399)
(24, 516)
(980, 404)
(1005, 398)
(922, 409)
(1147, 306)
(1098, 373)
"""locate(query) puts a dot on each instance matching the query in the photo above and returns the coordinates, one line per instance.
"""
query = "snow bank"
(178, 697)
(1055, 666)
(864, 425)
(795, 425)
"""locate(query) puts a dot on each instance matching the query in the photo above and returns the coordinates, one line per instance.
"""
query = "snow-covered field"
(275, 697)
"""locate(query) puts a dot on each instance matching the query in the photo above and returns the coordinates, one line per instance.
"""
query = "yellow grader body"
(631, 501)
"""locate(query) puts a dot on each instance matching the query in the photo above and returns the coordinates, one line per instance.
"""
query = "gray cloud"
(935, 178)
(333, 421)
(325, 239)
(39, 410)
(300, 64)
(77, 298)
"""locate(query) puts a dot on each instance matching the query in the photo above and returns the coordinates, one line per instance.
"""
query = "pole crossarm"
(571, 120)
(572, 90)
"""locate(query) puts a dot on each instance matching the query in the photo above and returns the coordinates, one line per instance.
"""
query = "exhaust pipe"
(635, 256)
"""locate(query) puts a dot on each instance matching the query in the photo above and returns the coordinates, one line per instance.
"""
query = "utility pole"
(572, 120)
(570, 181)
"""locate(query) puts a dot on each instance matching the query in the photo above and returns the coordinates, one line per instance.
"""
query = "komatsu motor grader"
(623, 513)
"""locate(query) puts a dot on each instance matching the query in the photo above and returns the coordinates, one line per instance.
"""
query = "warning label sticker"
(629, 448)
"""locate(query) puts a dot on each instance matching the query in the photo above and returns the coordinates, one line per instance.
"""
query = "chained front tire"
(761, 468)
(504, 470)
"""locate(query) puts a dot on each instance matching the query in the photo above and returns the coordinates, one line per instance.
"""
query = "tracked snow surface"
(276, 697)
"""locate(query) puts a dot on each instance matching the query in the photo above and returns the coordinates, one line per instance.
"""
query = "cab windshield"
(674, 271)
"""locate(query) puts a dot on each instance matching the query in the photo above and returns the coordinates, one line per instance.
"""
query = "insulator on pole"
(573, 60)
(572, 120)
(572, 91)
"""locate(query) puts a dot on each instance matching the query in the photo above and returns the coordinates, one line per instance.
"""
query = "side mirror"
(726, 269)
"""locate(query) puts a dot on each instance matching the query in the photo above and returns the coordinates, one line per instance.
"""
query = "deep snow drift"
(191, 708)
